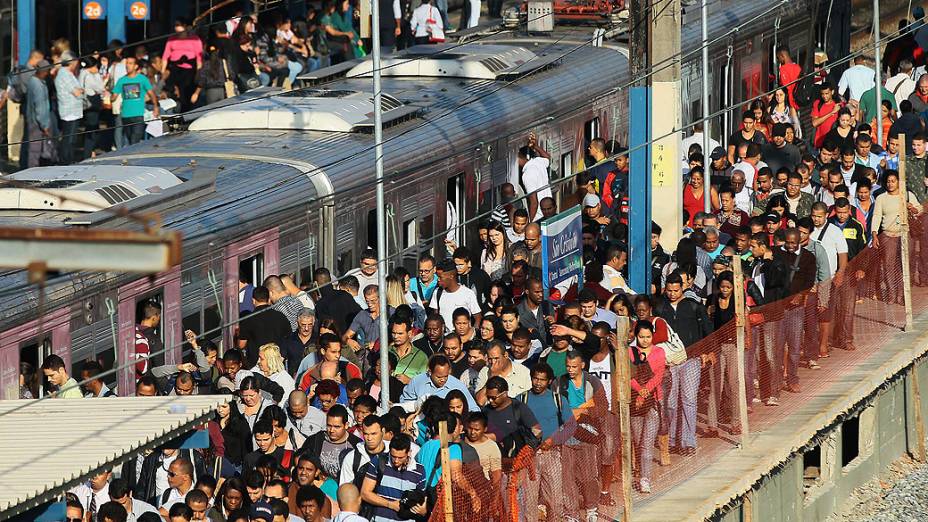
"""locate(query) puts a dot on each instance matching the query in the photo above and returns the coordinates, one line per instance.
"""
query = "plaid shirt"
(70, 107)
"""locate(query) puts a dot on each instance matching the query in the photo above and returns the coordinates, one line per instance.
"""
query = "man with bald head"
(303, 419)
(282, 301)
(180, 480)
(548, 207)
(743, 193)
(349, 504)
(532, 243)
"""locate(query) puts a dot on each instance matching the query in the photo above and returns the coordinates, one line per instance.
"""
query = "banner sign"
(562, 253)
(93, 9)
(138, 10)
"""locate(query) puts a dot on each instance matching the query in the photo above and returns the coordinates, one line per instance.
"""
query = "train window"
(410, 253)
(344, 262)
(34, 352)
(251, 269)
(192, 322)
(144, 307)
(211, 324)
(455, 208)
(425, 234)
(567, 165)
(372, 228)
(107, 359)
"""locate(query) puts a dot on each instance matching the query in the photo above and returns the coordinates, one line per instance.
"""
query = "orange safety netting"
(795, 349)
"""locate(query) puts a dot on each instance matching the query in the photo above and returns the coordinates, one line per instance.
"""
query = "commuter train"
(265, 184)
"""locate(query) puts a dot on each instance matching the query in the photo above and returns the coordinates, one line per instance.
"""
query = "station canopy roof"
(48, 446)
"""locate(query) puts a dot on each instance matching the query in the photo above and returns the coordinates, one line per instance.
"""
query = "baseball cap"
(590, 200)
(42, 64)
(68, 56)
(717, 154)
(262, 510)
(772, 217)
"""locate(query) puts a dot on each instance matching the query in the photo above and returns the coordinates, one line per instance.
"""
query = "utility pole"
(639, 19)
(666, 180)
(381, 211)
(706, 109)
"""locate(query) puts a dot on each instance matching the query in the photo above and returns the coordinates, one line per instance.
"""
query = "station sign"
(562, 254)
(93, 9)
(138, 10)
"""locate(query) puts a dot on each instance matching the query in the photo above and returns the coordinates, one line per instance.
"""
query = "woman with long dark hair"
(235, 433)
(211, 79)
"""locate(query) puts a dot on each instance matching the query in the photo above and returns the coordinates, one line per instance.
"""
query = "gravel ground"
(899, 495)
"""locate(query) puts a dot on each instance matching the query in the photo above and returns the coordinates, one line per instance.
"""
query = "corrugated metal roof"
(49, 446)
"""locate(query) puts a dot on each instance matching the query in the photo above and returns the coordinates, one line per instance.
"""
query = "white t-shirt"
(834, 244)
(535, 178)
(463, 297)
(748, 170)
(603, 371)
(743, 200)
(161, 473)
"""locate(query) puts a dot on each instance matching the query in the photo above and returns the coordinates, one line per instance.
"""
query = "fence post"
(621, 397)
(906, 271)
(446, 471)
(740, 327)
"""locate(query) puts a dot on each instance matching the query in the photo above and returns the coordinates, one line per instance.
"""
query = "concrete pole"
(706, 110)
(381, 213)
(904, 240)
(666, 175)
(879, 74)
(741, 326)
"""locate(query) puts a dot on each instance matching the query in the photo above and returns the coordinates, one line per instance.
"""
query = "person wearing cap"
(261, 510)
(70, 104)
(778, 153)
(593, 213)
(719, 167)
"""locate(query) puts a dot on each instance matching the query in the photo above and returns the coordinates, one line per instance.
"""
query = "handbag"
(432, 27)
(228, 84)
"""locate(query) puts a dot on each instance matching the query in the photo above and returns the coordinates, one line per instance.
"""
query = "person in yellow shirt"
(54, 369)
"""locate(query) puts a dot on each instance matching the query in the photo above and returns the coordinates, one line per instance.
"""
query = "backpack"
(513, 443)
(16, 81)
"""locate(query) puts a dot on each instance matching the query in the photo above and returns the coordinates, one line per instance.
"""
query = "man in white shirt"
(533, 162)
(902, 84)
(856, 80)
(750, 163)
(93, 493)
(830, 237)
(743, 193)
(180, 480)
(696, 138)
(450, 296)
(119, 492)
(616, 258)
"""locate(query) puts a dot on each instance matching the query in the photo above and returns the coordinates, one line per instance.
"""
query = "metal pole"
(707, 165)
(879, 84)
(381, 214)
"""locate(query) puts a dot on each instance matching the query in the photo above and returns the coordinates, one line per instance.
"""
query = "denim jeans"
(295, 68)
(134, 130)
(681, 402)
(794, 319)
(68, 138)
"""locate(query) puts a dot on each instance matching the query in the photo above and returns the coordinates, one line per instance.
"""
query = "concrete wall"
(886, 433)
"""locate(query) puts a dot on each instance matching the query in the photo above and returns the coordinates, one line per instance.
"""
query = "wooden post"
(919, 420)
(747, 507)
(621, 397)
(906, 272)
(740, 329)
(446, 471)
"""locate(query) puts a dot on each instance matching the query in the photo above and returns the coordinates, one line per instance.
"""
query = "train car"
(282, 182)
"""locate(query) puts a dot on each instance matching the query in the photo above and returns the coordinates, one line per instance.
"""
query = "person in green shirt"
(869, 109)
(135, 90)
(411, 361)
(54, 370)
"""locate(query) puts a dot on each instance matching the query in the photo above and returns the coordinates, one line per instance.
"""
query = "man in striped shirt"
(386, 481)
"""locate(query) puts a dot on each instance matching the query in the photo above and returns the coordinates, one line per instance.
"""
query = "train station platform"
(799, 463)
(49, 446)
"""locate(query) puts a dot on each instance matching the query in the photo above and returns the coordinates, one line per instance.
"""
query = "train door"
(32, 343)
(456, 209)
(136, 301)
(247, 262)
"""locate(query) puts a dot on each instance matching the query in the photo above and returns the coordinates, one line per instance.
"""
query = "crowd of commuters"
(77, 107)
(524, 383)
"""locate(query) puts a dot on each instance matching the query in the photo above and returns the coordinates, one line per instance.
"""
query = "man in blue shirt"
(437, 381)
(557, 427)
(422, 287)
(385, 483)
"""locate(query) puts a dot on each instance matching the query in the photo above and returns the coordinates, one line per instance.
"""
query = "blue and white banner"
(562, 253)
(93, 9)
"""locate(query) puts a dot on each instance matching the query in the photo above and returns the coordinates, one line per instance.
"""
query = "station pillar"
(25, 29)
(116, 20)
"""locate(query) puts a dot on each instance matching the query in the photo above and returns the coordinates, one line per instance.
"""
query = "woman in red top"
(694, 193)
(648, 365)
(824, 113)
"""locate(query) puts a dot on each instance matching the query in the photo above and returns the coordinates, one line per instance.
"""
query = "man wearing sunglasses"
(180, 480)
